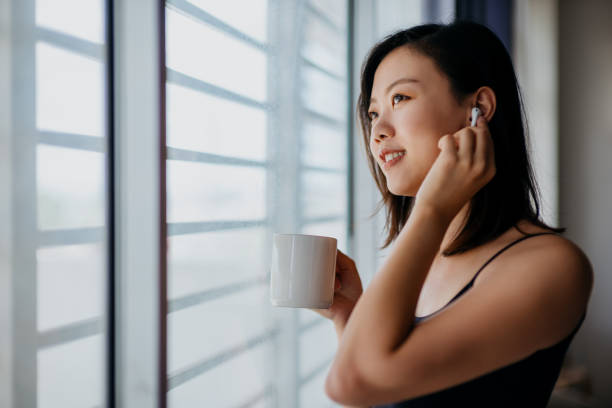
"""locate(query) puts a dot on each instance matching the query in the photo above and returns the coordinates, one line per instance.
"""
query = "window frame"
(139, 202)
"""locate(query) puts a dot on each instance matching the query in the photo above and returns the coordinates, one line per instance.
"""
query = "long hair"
(471, 56)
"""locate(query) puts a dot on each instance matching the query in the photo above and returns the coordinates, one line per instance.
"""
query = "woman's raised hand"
(466, 163)
(347, 290)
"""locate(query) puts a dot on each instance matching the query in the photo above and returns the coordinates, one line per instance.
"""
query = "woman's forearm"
(383, 316)
(339, 326)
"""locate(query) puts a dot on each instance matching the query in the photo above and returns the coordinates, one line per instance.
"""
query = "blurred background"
(149, 149)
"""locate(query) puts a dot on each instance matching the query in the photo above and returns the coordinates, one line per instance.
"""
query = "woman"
(479, 299)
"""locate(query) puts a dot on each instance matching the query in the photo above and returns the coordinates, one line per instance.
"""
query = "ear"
(485, 99)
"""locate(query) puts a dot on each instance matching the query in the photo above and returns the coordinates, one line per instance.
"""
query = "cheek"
(372, 148)
(423, 148)
(421, 112)
(432, 117)
(421, 154)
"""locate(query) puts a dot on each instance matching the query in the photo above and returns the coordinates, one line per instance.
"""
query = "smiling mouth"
(392, 158)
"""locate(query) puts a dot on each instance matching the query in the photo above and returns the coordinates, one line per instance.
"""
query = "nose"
(382, 129)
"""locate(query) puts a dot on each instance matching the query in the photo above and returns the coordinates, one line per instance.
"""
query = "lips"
(392, 162)
(390, 157)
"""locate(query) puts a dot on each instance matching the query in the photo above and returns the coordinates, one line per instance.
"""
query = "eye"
(397, 98)
(372, 115)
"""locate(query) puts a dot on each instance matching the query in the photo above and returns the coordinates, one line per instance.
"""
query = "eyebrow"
(398, 81)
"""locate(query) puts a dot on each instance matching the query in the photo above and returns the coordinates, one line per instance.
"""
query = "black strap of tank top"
(503, 249)
(471, 282)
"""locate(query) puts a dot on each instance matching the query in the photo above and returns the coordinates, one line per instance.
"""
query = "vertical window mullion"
(284, 142)
(350, 134)
(6, 208)
(139, 218)
(24, 206)
(111, 315)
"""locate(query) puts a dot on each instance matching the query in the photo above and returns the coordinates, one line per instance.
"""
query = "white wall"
(585, 107)
(563, 58)
(535, 49)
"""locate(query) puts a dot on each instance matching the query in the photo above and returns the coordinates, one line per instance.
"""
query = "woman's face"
(411, 108)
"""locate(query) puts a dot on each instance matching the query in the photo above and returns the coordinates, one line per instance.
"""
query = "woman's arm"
(383, 316)
(348, 289)
(339, 325)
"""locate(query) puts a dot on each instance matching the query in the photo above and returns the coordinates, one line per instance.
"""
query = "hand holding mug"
(347, 290)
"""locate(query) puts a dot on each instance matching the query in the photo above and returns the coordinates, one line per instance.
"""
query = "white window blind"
(257, 142)
(58, 137)
(257, 135)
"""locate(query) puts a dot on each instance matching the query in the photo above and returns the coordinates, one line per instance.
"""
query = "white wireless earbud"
(475, 114)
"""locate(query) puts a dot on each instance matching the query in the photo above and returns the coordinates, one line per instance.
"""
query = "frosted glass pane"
(334, 10)
(71, 375)
(201, 122)
(202, 261)
(202, 331)
(324, 146)
(70, 284)
(203, 52)
(325, 46)
(248, 16)
(335, 229)
(69, 92)
(70, 187)
(211, 192)
(80, 18)
(323, 94)
(323, 194)
(306, 316)
(317, 345)
(231, 384)
(266, 402)
(312, 394)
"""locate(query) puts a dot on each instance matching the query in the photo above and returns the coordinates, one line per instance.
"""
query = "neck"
(454, 227)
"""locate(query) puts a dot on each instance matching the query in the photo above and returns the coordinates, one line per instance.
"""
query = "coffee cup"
(303, 271)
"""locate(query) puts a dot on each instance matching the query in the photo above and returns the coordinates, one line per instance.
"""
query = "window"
(59, 202)
(257, 136)
(258, 140)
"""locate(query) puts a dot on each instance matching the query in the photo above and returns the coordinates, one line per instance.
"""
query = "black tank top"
(525, 383)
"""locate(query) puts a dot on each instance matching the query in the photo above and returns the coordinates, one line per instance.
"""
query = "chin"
(401, 189)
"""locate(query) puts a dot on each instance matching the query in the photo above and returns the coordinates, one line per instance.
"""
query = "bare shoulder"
(553, 249)
(552, 270)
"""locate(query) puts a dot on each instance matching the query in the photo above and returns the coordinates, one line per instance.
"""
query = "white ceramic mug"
(303, 271)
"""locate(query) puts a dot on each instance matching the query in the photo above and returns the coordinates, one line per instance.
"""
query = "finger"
(481, 123)
(447, 145)
(484, 144)
(481, 152)
(343, 260)
(467, 141)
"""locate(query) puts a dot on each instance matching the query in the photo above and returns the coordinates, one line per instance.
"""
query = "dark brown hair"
(471, 56)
